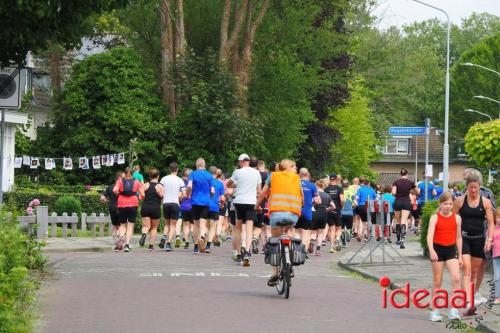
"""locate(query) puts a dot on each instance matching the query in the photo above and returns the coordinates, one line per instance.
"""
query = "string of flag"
(84, 163)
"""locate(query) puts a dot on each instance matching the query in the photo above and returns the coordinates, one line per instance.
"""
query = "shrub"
(429, 208)
(68, 204)
(19, 256)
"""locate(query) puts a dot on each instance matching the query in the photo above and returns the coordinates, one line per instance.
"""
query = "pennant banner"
(67, 162)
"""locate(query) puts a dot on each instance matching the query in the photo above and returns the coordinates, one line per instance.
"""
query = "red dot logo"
(384, 281)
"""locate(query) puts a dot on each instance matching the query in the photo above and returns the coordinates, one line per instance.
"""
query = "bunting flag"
(84, 162)
(18, 162)
(34, 163)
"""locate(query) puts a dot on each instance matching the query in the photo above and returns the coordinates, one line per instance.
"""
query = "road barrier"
(42, 220)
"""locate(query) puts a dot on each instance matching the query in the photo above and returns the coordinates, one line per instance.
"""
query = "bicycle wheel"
(286, 281)
(280, 287)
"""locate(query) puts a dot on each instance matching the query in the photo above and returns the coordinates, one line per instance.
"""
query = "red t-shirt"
(128, 201)
(445, 232)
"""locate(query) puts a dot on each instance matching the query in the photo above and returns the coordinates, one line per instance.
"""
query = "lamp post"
(488, 98)
(481, 113)
(476, 65)
(446, 146)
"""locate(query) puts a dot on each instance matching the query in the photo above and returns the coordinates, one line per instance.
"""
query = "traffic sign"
(406, 130)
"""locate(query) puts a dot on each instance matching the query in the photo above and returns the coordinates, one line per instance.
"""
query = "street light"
(490, 99)
(446, 146)
(481, 113)
(476, 65)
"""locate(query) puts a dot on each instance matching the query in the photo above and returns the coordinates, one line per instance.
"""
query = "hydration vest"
(128, 187)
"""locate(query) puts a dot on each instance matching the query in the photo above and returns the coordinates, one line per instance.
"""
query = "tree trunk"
(232, 42)
(244, 65)
(167, 56)
(54, 59)
(223, 52)
(180, 36)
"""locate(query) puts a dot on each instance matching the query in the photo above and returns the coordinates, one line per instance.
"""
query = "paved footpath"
(158, 292)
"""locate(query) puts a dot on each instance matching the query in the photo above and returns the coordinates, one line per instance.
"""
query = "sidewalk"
(419, 275)
(82, 244)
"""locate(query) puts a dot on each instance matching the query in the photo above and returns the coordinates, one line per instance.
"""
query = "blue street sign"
(406, 130)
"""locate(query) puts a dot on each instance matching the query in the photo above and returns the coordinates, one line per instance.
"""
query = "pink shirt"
(125, 201)
(496, 242)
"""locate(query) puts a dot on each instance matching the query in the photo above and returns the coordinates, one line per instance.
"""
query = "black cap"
(333, 176)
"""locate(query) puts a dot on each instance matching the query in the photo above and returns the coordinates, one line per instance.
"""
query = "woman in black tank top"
(474, 210)
(151, 208)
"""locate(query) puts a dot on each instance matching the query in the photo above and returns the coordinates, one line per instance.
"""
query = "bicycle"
(284, 266)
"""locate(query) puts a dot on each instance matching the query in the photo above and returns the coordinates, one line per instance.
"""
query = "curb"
(82, 249)
(480, 327)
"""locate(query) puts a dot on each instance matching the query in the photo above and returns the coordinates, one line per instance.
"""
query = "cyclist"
(285, 202)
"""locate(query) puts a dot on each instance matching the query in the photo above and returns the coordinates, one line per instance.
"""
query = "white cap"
(243, 157)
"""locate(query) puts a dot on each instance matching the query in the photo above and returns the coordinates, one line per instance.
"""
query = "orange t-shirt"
(128, 201)
(445, 233)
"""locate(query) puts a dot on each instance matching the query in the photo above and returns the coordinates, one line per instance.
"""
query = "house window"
(397, 147)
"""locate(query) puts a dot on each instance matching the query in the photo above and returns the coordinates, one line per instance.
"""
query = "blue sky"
(398, 12)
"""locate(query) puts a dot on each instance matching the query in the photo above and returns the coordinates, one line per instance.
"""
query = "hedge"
(18, 201)
(429, 208)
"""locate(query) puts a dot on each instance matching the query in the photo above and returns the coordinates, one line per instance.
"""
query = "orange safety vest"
(286, 193)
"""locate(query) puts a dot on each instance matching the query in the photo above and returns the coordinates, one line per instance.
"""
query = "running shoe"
(402, 245)
(398, 242)
(117, 249)
(479, 299)
(246, 260)
(142, 241)
(127, 248)
(358, 239)
(238, 260)
(323, 243)
(201, 245)
(228, 239)
(196, 250)
(332, 250)
(168, 247)
(177, 241)
(217, 243)
(308, 256)
(255, 246)
(470, 312)
(311, 247)
(453, 314)
(207, 249)
(186, 245)
(234, 256)
(273, 281)
(348, 237)
(318, 253)
(263, 251)
(162, 242)
(389, 240)
(378, 239)
(150, 248)
(338, 247)
(435, 316)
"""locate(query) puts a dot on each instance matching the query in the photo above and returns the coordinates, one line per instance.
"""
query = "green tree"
(110, 99)
(467, 82)
(355, 149)
(30, 25)
(482, 144)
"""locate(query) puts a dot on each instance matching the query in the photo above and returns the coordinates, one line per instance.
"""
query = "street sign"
(406, 130)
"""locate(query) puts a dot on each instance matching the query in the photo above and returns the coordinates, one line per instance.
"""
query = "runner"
(186, 214)
(401, 189)
(431, 193)
(285, 202)
(334, 217)
(438, 188)
(347, 213)
(320, 216)
(109, 197)
(246, 182)
(216, 201)
(151, 208)
(265, 229)
(310, 196)
(173, 187)
(365, 193)
(137, 174)
(389, 198)
(356, 220)
(444, 241)
(126, 189)
(496, 256)
(474, 209)
(201, 185)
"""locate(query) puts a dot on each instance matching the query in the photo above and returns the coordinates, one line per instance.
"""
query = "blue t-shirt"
(310, 192)
(214, 200)
(186, 202)
(390, 199)
(439, 191)
(365, 192)
(202, 182)
(421, 196)
(347, 208)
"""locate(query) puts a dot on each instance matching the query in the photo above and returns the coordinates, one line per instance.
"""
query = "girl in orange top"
(444, 240)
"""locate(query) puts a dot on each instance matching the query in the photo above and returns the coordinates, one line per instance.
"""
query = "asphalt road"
(159, 292)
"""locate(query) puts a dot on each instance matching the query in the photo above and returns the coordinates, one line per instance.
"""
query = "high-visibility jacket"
(286, 193)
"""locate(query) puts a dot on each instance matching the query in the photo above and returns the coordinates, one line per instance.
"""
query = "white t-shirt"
(172, 186)
(246, 180)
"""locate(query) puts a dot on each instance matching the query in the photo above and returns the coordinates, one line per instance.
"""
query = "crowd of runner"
(206, 207)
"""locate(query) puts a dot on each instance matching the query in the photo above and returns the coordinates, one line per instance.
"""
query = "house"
(408, 151)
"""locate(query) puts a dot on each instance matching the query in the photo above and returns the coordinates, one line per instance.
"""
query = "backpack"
(128, 187)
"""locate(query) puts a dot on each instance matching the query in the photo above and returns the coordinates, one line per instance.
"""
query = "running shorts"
(113, 215)
(187, 216)
(333, 218)
(319, 219)
(445, 253)
(245, 212)
(473, 247)
(213, 216)
(199, 212)
(303, 223)
(259, 219)
(232, 217)
(363, 215)
(127, 214)
(151, 211)
(171, 211)
(347, 221)
(402, 204)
